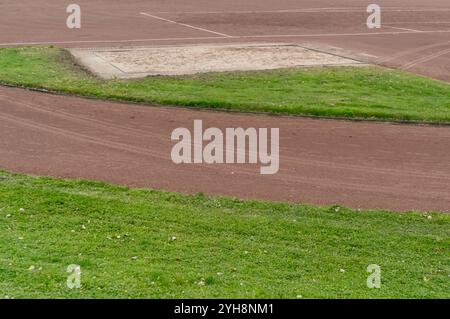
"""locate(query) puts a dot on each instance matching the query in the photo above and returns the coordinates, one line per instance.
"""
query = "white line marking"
(223, 37)
(311, 10)
(424, 59)
(108, 41)
(404, 29)
(185, 25)
(411, 51)
(419, 22)
(336, 34)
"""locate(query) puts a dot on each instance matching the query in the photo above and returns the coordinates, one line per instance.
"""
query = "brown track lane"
(357, 164)
(119, 23)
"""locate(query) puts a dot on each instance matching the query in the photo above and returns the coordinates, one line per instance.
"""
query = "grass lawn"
(124, 241)
(352, 92)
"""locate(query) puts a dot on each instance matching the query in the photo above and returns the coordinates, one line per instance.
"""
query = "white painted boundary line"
(311, 10)
(412, 51)
(424, 59)
(337, 34)
(419, 22)
(184, 24)
(108, 41)
(268, 36)
(398, 28)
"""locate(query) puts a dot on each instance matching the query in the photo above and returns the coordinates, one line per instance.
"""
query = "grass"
(369, 92)
(123, 240)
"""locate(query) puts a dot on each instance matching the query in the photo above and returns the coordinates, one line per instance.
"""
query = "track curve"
(324, 162)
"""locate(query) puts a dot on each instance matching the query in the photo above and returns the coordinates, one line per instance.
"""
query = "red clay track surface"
(360, 165)
(415, 34)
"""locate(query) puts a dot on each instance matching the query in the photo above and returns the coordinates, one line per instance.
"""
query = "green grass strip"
(350, 92)
(124, 241)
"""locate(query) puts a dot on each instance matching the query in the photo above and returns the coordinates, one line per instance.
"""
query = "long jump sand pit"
(179, 60)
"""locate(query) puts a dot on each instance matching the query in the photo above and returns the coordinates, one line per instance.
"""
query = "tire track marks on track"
(164, 140)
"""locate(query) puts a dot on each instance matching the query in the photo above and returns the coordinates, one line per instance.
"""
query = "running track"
(415, 34)
(361, 165)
